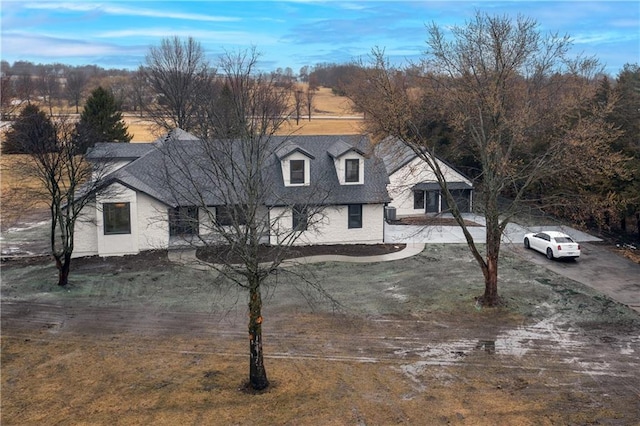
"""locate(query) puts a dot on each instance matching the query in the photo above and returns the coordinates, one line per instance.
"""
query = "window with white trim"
(296, 171)
(352, 170)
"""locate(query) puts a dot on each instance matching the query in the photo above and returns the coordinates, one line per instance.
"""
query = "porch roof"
(435, 186)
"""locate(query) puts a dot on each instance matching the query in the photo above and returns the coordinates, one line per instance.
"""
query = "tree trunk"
(490, 271)
(257, 372)
(490, 296)
(63, 263)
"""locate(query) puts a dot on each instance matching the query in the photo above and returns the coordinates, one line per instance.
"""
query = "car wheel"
(549, 254)
(526, 243)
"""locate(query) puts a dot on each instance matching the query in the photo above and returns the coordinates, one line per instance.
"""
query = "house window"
(231, 216)
(355, 215)
(300, 218)
(352, 170)
(297, 171)
(418, 200)
(116, 218)
(183, 221)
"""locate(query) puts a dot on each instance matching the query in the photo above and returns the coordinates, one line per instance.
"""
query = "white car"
(552, 243)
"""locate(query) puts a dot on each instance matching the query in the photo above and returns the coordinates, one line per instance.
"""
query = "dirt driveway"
(139, 340)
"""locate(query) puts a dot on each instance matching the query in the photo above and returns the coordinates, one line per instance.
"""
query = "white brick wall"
(331, 227)
(405, 178)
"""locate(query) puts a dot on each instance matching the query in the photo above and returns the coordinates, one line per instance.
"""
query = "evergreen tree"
(32, 132)
(100, 121)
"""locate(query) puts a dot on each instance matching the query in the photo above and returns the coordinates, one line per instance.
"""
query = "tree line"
(65, 87)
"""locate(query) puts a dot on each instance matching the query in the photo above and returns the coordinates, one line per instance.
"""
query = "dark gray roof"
(152, 172)
(435, 186)
(289, 148)
(341, 147)
(394, 153)
(118, 151)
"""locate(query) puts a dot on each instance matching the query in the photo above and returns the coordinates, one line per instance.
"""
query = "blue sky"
(118, 34)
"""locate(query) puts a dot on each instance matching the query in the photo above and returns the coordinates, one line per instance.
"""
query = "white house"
(413, 186)
(136, 211)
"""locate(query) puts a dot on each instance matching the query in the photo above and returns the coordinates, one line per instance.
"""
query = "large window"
(231, 216)
(297, 171)
(116, 218)
(418, 200)
(352, 170)
(355, 215)
(300, 218)
(183, 221)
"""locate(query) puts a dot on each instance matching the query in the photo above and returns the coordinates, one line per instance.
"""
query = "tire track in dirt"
(410, 345)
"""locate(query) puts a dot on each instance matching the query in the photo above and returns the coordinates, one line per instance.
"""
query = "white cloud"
(128, 11)
(203, 36)
(17, 44)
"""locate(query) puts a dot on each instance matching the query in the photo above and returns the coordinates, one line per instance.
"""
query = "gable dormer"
(349, 163)
(295, 163)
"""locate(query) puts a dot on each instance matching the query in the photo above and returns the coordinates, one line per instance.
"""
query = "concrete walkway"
(514, 233)
(187, 257)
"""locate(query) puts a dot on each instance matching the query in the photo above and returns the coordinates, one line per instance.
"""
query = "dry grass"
(325, 102)
(130, 380)
(323, 127)
(18, 193)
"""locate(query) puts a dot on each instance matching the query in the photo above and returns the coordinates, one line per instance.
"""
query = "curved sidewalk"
(187, 257)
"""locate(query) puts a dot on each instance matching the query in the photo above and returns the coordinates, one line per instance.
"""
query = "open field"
(138, 340)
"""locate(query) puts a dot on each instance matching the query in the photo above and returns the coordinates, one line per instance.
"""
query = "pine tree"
(32, 132)
(100, 121)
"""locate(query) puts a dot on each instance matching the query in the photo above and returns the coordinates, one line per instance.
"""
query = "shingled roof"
(148, 173)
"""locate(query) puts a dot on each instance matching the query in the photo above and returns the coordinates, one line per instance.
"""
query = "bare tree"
(496, 83)
(76, 82)
(25, 87)
(310, 94)
(179, 73)
(298, 99)
(140, 95)
(223, 188)
(8, 101)
(68, 183)
(48, 86)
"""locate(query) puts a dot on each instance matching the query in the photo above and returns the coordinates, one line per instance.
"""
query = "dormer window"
(296, 168)
(352, 170)
(295, 164)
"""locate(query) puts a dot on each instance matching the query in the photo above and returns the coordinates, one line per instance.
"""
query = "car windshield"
(563, 240)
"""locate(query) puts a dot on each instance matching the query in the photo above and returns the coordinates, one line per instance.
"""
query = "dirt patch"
(217, 254)
(144, 341)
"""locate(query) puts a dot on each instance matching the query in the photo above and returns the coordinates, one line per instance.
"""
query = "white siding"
(119, 244)
(149, 226)
(153, 223)
(331, 226)
(404, 179)
(85, 241)
(340, 165)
